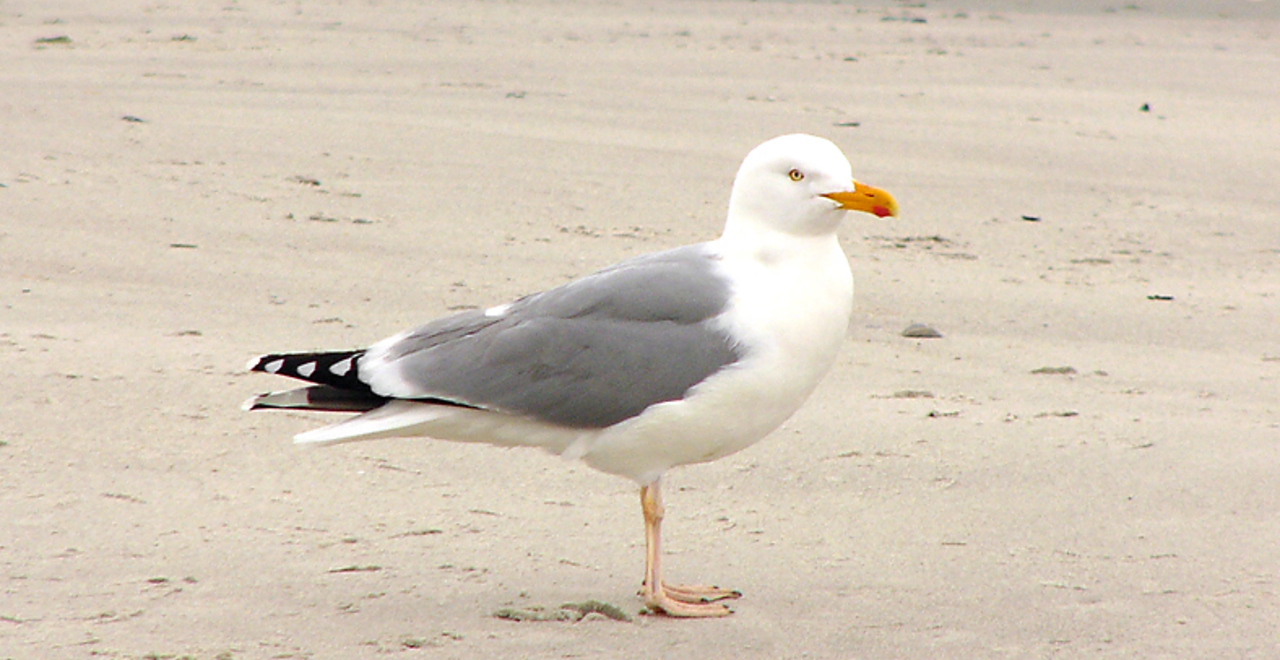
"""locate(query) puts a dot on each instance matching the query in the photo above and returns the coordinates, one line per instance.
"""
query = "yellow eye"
(795, 175)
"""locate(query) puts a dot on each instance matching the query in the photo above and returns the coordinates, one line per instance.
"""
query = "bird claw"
(688, 601)
(700, 593)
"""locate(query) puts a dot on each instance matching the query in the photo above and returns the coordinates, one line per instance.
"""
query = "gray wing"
(588, 354)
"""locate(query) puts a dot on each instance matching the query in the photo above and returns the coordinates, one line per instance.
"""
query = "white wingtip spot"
(497, 310)
(341, 368)
(273, 366)
(305, 370)
(253, 362)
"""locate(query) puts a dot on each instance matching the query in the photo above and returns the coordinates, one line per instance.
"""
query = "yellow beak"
(867, 199)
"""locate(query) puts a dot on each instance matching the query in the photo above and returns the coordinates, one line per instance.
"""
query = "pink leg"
(672, 600)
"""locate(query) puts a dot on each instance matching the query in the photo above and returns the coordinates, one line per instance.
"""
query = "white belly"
(792, 315)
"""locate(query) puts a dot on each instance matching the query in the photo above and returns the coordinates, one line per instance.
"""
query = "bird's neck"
(744, 237)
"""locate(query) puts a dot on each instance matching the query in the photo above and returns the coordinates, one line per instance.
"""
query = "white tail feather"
(395, 419)
(399, 419)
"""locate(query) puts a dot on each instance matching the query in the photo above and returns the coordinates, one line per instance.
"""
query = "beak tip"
(866, 199)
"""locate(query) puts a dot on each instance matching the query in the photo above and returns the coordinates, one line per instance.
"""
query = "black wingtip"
(315, 397)
(337, 368)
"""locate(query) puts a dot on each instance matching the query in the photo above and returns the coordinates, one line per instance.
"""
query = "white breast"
(790, 312)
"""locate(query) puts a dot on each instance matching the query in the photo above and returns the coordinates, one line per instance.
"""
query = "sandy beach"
(1086, 464)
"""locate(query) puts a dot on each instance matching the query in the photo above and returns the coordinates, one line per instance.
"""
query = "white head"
(800, 185)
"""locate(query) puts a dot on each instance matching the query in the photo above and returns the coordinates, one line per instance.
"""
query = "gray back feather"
(588, 354)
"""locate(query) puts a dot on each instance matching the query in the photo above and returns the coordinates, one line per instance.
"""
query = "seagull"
(667, 359)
